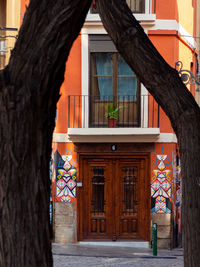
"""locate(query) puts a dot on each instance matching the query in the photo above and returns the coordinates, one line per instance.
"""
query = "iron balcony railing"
(112, 111)
(136, 6)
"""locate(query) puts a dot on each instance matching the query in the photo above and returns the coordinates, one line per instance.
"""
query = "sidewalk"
(67, 255)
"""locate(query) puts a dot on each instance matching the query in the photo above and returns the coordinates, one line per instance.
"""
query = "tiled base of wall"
(64, 225)
(64, 221)
(163, 229)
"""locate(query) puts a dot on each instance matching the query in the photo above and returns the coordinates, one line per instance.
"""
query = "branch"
(162, 81)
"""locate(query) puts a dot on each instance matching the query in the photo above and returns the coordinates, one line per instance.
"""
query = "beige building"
(9, 25)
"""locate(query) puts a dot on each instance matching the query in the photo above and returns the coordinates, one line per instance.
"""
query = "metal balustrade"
(125, 111)
(136, 6)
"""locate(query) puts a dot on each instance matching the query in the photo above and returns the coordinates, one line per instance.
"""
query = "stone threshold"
(132, 244)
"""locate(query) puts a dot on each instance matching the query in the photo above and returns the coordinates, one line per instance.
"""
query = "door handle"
(79, 184)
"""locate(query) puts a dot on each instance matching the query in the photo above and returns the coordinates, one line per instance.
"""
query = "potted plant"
(112, 113)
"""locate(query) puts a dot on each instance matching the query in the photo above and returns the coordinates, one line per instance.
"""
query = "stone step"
(132, 244)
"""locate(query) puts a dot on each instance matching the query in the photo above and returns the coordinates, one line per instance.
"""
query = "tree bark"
(29, 91)
(165, 85)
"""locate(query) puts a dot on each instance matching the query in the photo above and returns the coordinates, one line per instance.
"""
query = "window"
(136, 6)
(111, 77)
(2, 52)
(111, 82)
(98, 188)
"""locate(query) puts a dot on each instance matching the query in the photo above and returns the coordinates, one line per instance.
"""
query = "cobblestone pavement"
(73, 255)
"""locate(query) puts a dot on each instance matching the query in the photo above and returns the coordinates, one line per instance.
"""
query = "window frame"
(103, 44)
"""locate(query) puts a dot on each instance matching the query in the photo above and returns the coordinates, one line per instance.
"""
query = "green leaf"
(112, 112)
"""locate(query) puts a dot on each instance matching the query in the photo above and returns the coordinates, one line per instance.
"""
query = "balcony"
(136, 6)
(144, 11)
(92, 111)
(88, 117)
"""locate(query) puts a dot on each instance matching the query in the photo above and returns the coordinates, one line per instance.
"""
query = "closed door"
(114, 199)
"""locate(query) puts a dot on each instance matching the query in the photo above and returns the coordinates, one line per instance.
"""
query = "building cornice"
(93, 25)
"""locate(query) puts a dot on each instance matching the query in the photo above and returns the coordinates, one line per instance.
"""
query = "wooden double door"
(114, 200)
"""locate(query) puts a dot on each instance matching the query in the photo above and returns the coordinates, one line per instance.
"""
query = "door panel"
(97, 198)
(115, 199)
(128, 201)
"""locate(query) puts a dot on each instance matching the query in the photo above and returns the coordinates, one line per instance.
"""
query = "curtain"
(127, 81)
(104, 67)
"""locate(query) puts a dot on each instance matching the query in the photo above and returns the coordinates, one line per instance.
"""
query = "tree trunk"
(164, 83)
(189, 143)
(29, 91)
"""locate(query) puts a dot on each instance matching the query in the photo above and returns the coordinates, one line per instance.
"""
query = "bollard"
(154, 233)
(51, 218)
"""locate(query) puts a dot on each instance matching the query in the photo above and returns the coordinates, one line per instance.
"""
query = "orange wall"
(167, 44)
(166, 9)
(70, 86)
(24, 3)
